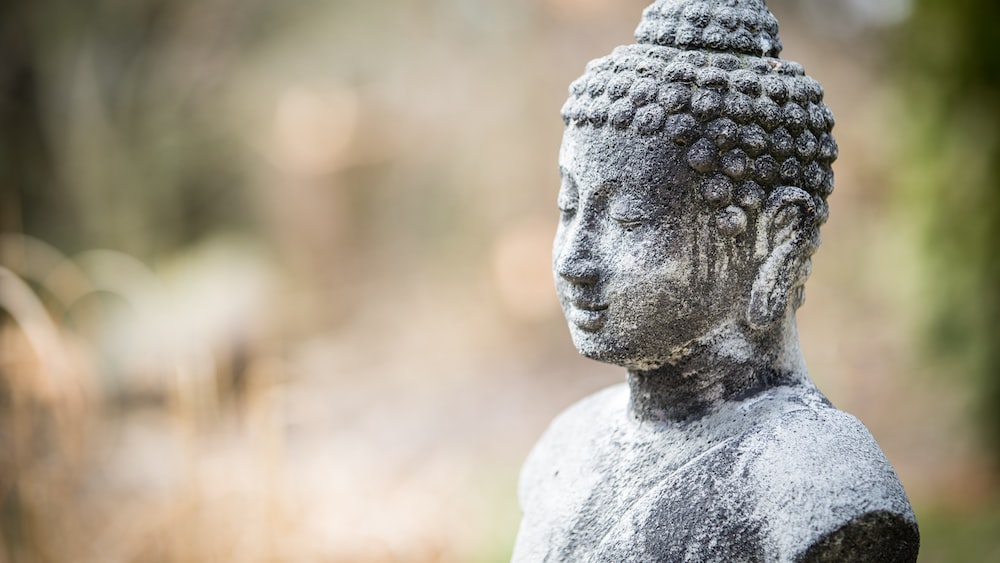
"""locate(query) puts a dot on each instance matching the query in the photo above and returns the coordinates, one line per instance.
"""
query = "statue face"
(633, 251)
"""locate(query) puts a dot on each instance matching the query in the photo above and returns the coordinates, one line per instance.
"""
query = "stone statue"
(695, 170)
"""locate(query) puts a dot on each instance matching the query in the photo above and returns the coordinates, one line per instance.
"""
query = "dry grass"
(172, 452)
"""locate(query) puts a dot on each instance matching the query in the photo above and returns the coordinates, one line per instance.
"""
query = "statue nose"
(579, 274)
(576, 261)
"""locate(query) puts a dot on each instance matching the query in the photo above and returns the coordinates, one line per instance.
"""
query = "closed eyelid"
(629, 219)
(568, 192)
(567, 203)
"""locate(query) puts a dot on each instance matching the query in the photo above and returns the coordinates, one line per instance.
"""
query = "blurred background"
(275, 281)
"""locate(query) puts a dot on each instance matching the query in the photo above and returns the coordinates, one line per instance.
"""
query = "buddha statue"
(695, 170)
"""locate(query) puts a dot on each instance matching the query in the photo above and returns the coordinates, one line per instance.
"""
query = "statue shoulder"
(828, 491)
(569, 439)
(561, 472)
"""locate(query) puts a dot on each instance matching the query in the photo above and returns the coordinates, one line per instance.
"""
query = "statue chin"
(695, 170)
(631, 355)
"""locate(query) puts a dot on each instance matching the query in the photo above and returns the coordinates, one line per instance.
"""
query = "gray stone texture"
(695, 170)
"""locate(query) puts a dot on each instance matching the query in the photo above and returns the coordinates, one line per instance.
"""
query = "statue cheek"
(641, 248)
(667, 259)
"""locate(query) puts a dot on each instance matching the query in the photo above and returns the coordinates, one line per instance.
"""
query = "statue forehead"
(602, 156)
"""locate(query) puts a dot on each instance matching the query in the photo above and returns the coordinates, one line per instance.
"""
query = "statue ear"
(786, 238)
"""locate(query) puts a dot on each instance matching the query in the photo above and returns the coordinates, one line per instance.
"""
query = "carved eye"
(628, 223)
(568, 196)
(567, 208)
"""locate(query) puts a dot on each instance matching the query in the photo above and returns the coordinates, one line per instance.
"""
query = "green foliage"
(949, 536)
(110, 135)
(950, 59)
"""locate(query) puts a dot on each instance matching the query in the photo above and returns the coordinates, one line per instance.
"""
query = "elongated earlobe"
(784, 243)
(768, 300)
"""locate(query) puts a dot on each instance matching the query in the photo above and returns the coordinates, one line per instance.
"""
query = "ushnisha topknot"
(734, 26)
(750, 122)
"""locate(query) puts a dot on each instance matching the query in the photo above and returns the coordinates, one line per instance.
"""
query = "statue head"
(695, 170)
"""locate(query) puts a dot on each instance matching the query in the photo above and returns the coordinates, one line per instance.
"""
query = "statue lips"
(586, 314)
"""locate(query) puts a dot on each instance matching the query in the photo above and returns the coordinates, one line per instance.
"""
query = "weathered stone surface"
(781, 476)
(695, 171)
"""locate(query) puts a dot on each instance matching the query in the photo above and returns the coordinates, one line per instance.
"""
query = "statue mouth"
(586, 315)
(585, 305)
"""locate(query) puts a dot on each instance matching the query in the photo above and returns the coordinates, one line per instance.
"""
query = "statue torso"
(763, 479)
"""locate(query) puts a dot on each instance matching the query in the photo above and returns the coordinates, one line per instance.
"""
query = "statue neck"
(727, 365)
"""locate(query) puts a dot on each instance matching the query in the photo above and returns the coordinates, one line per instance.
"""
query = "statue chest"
(619, 499)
